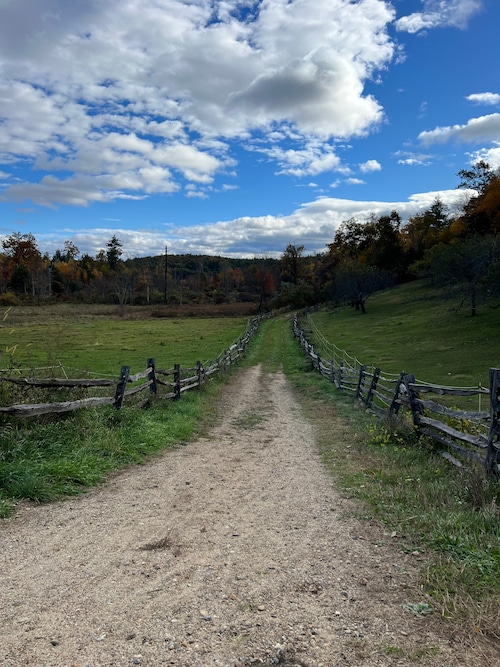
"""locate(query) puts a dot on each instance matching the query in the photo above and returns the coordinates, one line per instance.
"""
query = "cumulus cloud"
(162, 88)
(484, 128)
(369, 166)
(440, 13)
(489, 99)
(490, 155)
(313, 224)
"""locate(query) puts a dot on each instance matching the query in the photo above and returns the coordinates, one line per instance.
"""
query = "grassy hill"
(419, 330)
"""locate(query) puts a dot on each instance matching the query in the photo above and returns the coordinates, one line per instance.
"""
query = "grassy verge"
(450, 516)
(52, 458)
(45, 458)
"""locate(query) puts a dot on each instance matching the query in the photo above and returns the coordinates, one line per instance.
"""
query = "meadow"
(49, 457)
(94, 339)
(415, 329)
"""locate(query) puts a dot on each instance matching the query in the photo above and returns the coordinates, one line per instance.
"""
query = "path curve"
(233, 550)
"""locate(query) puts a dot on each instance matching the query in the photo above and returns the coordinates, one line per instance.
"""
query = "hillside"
(420, 330)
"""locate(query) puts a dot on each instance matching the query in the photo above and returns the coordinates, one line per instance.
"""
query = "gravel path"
(233, 550)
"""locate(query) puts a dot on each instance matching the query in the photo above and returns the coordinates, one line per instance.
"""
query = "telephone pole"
(166, 277)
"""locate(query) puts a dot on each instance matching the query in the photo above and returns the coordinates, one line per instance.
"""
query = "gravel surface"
(233, 550)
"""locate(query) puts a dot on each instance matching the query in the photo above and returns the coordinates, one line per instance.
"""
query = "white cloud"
(490, 99)
(312, 224)
(165, 84)
(489, 155)
(440, 13)
(411, 159)
(484, 128)
(369, 166)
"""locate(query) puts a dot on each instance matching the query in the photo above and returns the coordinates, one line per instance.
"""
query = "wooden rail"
(159, 384)
(469, 434)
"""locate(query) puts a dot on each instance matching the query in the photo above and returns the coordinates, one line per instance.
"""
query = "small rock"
(261, 607)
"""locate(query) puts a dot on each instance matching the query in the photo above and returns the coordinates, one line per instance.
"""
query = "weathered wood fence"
(159, 384)
(469, 434)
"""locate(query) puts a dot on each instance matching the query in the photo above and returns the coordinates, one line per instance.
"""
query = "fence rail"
(159, 384)
(469, 434)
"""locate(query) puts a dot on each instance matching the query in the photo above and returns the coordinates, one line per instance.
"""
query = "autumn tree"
(291, 264)
(381, 244)
(24, 260)
(477, 177)
(481, 215)
(354, 282)
(424, 230)
(470, 266)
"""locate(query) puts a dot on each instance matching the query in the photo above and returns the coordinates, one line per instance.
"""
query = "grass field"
(97, 340)
(414, 329)
(44, 458)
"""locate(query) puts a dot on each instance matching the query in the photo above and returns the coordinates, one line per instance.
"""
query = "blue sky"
(234, 127)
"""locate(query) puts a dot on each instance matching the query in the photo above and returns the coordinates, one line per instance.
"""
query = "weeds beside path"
(236, 549)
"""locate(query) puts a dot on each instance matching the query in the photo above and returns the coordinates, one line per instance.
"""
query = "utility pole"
(166, 277)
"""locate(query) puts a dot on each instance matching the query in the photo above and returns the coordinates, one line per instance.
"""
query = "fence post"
(395, 405)
(373, 386)
(492, 461)
(340, 375)
(332, 371)
(152, 376)
(120, 386)
(361, 380)
(412, 397)
(199, 371)
(177, 382)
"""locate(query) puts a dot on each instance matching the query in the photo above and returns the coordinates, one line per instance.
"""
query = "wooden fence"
(161, 384)
(470, 434)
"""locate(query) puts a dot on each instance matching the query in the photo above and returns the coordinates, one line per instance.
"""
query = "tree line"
(28, 276)
(459, 250)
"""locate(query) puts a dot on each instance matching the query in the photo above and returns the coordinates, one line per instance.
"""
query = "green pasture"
(415, 329)
(89, 339)
(44, 458)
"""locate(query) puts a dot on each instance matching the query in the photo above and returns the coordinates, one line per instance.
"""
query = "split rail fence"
(160, 384)
(469, 434)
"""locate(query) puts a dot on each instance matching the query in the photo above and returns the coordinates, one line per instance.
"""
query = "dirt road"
(233, 550)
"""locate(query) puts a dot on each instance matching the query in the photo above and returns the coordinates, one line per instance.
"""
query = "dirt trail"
(233, 550)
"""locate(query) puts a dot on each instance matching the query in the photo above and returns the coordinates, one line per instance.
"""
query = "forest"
(457, 250)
